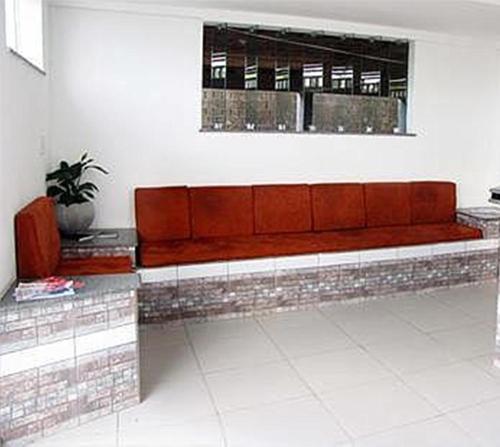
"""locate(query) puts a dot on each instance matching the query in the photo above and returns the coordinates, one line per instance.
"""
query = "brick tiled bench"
(243, 288)
(68, 361)
(243, 250)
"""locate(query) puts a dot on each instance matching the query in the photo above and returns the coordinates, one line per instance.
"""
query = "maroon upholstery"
(282, 209)
(103, 265)
(221, 211)
(338, 206)
(162, 213)
(244, 247)
(433, 202)
(38, 247)
(387, 204)
(300, 219)
(38, 244)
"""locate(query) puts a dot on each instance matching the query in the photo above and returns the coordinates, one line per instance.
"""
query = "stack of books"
(48, 288)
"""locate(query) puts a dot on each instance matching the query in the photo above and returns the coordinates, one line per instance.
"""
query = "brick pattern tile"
(258, 293)
(39, 401)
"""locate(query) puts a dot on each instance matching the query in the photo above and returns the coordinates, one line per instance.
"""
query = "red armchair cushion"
(162, 213)
(105, 265)
(338, 206)
(433, 202)
(282, 209)
(247, 247)
(387, 204)
(38, 247)
(221, 211)
(38, 243)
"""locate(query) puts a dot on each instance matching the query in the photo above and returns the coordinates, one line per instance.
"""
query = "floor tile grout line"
(240, 367)
(439, 412)
(332, 322)
(449, 416)
(474, 405)
(308, 386)
(218, 414)
(397, 427)
(466, 432)
(428, 333)
(397, 375)
(297, 398)
(349, 336)
(403, 297)
(449, 411)
(118, 429)
(470, 360)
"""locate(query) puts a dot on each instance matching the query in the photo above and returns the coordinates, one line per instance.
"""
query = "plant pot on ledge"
(75, 218)
(75, 209)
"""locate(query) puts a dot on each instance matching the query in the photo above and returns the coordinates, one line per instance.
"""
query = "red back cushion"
(282, 209)
(38, 243)
(162, 214)
(433, 202)
(221, 211)
(387, 204)
(338, 206)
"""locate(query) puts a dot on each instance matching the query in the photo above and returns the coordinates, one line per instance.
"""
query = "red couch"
(179, 225)
(38, 247)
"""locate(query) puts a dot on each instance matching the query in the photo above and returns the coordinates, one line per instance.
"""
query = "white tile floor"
(416, 370)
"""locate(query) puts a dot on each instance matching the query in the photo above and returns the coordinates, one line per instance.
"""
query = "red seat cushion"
(433, 202)
(162, 213)
(395, 236)
(38, 243)
(387, 204)
(221, 211)
(95, 266)
(282, 209)
(338, 206)
(231, 248)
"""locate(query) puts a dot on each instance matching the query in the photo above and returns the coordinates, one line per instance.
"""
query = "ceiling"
(467, 18)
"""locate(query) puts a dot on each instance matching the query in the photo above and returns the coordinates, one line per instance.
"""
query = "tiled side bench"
(68, 361)
(486, 218)
(124, 244)
(251, 287)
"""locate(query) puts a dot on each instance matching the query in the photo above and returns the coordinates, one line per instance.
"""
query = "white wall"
(23, 111)
(126, 86)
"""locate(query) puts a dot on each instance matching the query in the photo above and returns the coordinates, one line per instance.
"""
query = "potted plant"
(73, 195)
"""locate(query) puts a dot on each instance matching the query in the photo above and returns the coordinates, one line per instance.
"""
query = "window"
(24, 30)
(257, 79)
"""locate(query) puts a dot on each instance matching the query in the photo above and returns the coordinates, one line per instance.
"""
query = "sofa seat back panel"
(387, 204)
(338, 206)
(433, 202)
(162, 214)
(38, 243)
(282, 209)
(221, 211)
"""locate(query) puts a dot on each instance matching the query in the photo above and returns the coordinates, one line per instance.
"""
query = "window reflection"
(279, 80)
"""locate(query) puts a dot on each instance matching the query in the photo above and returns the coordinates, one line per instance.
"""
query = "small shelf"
(295, 132)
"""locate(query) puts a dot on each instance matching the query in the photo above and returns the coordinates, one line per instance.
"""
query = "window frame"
(403, 126)
(13, 28)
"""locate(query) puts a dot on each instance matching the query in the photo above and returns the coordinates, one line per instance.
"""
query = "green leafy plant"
(66, 184)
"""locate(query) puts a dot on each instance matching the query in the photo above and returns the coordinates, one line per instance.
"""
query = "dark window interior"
(307, 72)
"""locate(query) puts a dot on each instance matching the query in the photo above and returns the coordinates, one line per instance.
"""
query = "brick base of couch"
(375, 273)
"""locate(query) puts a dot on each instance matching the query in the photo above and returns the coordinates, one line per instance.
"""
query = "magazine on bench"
(44, 289)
